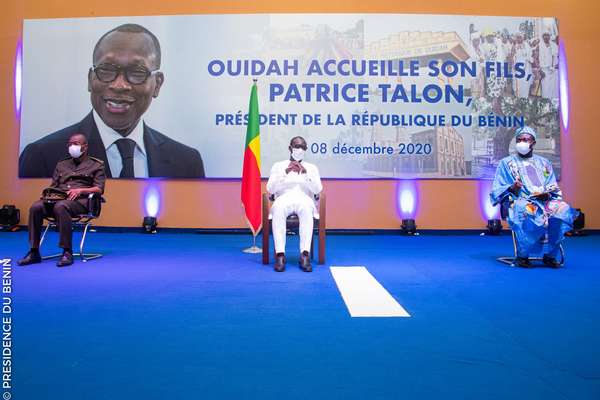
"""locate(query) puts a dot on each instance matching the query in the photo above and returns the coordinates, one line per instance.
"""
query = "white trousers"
(288, 204)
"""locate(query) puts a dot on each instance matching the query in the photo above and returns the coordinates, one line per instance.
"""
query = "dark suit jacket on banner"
(166, 157)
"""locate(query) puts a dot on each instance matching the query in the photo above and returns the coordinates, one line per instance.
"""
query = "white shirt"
(548, 55)
(281, 183)
(524, 54)
(109, 136)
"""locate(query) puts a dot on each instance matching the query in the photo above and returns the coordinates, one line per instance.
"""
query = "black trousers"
(62, 211)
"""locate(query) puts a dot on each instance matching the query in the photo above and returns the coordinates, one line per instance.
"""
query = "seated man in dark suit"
(123, 80)
(78, 175)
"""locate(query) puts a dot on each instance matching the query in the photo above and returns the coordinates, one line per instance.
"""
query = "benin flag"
(251, 197)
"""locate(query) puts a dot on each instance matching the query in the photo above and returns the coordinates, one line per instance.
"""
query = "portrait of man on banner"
(123, 80)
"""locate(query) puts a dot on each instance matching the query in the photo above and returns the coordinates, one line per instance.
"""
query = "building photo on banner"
(374, 95)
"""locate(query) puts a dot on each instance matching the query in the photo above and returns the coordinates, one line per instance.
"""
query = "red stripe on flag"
(251, 197)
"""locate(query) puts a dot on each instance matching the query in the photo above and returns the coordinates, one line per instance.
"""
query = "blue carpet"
(186, 316)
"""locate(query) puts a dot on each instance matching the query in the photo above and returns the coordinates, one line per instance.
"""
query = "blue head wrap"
(526, 129)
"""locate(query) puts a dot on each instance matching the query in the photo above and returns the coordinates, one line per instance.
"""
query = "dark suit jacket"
(166, 157)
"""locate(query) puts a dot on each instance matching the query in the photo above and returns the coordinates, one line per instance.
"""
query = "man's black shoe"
(523, 262)
(33, 257)
(65, 260)
(280, 262)
(305, 262)
(551, 261)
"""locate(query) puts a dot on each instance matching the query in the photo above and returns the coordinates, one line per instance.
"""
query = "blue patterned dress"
(529, 217)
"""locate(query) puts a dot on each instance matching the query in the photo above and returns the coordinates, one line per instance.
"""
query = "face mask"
(298, 154)
(75, 150)
(523, 148)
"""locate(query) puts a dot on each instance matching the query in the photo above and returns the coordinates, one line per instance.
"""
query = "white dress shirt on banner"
(110, 136)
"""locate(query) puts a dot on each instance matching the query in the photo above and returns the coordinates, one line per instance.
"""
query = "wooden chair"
(293, 224)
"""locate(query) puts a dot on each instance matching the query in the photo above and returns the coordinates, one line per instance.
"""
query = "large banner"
(374, 95)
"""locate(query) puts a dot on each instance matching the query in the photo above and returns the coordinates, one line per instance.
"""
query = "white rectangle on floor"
(363, 294)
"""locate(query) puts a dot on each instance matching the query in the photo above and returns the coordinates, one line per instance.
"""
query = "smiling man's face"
(120, 103)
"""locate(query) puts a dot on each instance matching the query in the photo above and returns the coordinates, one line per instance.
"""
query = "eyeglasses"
(109, 72)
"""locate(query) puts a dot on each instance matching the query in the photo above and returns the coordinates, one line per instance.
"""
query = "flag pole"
(254, 249)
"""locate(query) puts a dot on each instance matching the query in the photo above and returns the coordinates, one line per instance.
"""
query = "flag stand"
(254, 249)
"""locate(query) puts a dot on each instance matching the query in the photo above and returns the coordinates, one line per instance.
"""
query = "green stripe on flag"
(253, 119)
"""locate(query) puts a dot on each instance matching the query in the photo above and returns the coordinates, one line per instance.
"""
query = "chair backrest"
(95, 205)
(272, 196)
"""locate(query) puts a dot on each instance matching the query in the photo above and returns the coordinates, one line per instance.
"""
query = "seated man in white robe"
(294, 183)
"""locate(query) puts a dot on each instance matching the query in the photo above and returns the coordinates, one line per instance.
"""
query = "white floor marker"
(363, 294)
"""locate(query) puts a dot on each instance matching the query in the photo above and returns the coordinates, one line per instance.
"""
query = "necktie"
(126, 147)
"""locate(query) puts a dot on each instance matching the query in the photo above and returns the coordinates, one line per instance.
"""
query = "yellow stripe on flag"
(255, 148)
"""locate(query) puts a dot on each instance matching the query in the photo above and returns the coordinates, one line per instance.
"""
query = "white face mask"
(298, 154)
(523, 148)
(75, 150)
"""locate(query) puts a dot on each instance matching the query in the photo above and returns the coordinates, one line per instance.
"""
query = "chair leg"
(83, 242)
(57, 255)
(266, 229)
(322, 241)
(44, 233)
(511, 260)
(322, 228)
(508, 259)
(84, 257)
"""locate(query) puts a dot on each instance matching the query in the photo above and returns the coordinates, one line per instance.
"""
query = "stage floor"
(189, 316)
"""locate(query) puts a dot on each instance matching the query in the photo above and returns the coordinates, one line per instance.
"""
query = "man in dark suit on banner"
(122, 82)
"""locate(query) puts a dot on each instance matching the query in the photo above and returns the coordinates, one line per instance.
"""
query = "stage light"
(409, 227)
(578, 225)
(18, 77)
(9, 217)
(152, 207)
(150, 224)
(406, 203)
(563, 86)
(406, 198)
(494, 227)
(152, 201)
(488, 211)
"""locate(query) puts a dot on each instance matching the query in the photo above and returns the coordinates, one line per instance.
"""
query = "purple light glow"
(18, 77)
(563, 86)
(152, 200)
(407, 198)
(488, 211)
